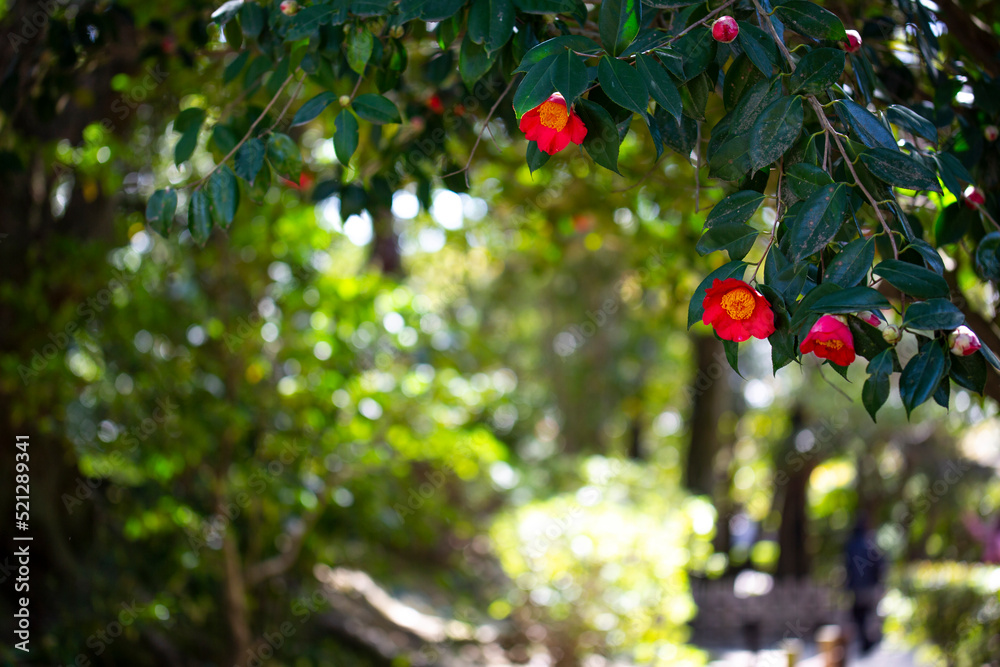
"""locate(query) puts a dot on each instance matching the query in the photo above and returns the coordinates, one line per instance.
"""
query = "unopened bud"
(963, 341)
(345, 100)
(891, 334)
(289, 7)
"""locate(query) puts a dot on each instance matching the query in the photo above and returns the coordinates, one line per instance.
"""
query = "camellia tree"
(861, 162)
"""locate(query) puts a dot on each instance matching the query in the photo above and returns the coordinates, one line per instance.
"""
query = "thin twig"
(295, 93)
(774, 34)
(819, 369)
(479, 137)
(197, 184)
(982, 209)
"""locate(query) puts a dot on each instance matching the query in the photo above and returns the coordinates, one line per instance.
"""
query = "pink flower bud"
(974, 197)
(289, 8)
(963, 341)
(870, 318)
(991, 132)
(725, 29)
(891, 334)
(853, 43)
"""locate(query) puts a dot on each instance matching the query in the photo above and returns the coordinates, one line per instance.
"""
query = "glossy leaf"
(359, 43)
(555, 46)
(850, 300)
(601, 142)
(474, 61)
(569, 76)
(803, 179)
(284, 155)
(911, 279)
(249, 158)
(934, 314)
(922, 375)
(223, 195)
(897, 168)
(817, 71)
(535, 87)
(661, 85)
(623, 84)
(776, 130)
(313, 108)
(851, 264)
(199, 217)
(912, 121)
(866, 126)
(818, 221)
(160, 210)
(988, 257)
(807, 18)
(376, 109)
(619, 23)
(345, 140)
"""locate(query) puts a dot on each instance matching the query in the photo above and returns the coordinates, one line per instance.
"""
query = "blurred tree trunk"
(708, 393)
(793, 478)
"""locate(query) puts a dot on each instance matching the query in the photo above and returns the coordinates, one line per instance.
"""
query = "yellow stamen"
(831, 344)
(553, 115)
(739, 303)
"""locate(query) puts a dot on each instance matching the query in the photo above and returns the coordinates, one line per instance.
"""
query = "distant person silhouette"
(987, 533)
(864, 572)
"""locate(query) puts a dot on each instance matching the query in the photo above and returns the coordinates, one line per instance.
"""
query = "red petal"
(578, 131)
(561, 141)
(546, 138)
(530, 121)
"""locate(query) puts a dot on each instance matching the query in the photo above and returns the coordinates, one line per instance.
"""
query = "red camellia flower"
(737, 311)
(725, 29)
(963, 341)
(552, 127)
(830, 338)
(853, 43)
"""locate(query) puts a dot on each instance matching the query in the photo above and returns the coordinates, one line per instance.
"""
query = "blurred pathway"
(882, 656)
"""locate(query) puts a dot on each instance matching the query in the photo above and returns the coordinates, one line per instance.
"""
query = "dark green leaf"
(249, 159)
(535, 158)
(758, 47)
(852, 263)
(732, 349)
(199, 217)
(803, 179)
(160, 211)
(970, 372)
(313, 108)
(952, 223)
(623, 84)
(602, 142)
(491, 23)
(697, 49)
(619, 24)
(186, 145)
(866, 126)
(912, 121)
(988, 257)
(555, 46)
(661, 86)
(850, 300)
(376, 109)
(284, 156)
(740, 77)
(359, 42)
(308, 21)
(253, 18)
(223, 196)
(569, 76)
(345, 140)
(912, 279)
(897, 168)
(234, 68)
(922, 375)
(736, 238)
(775, 131)
(473, 61)
(536, 87)
(874, 393)
(817, 71)
(737, 208)
(818, 221)
(932, 315)
(807, 18)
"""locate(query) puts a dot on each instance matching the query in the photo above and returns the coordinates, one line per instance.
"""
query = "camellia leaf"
(160, 210)
(817, 222)
(803, 179)
(619, 24)
(851, 264)
(851, 300)
(932, 315)
(988, 257)
(249, 159)
(535, 157)
(897, 168)
(536, 87)
(876, 388)
(911, 279)
(807, 18)
(308, 21)
(817, 71)
(199, 217)
(866, 126)
(776, 130)
(223, 196)
(474, 61)
(253, 18)
(500, 22)
(758, 47)
(970, 371)
(737, 208)
(922, 375)
(661, 86)
(912, 121)
(359, 43)
(602, 141)
(376, 109)
(313, 108)
(555, 46)
(569, 76)
(345, 140)
(284, 155)
(623, 84)
(696, 309)
(740, 77)
(697, 49)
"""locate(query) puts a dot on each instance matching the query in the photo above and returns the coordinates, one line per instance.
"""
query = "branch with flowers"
(794, 106)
